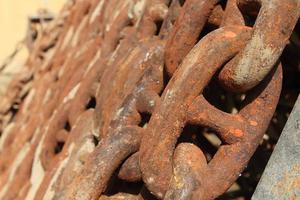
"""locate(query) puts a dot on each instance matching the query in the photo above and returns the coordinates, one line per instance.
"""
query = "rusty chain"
(111, 86)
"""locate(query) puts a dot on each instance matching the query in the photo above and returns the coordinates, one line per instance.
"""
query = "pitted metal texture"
(111, 86)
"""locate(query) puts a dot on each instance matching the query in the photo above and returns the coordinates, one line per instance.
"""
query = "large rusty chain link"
(239, 139)
(110, 86)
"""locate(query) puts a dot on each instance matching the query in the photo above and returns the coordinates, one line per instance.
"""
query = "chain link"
(107, 102)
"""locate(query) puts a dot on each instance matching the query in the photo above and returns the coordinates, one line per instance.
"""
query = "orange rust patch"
(230, 34)
(238, 133)
(253, 123)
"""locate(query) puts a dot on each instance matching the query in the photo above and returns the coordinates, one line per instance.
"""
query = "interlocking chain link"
(109, 88)
(272, 29)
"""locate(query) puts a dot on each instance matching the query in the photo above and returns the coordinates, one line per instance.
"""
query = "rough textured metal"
(110, 85)
(280, 179)
(271, 33)
(165, 127)
(208, 180)
(187, 28)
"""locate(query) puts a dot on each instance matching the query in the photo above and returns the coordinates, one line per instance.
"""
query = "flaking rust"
(109, 87)
(165, 127)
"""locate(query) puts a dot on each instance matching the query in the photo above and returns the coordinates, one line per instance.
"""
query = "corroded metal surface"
(164, 127)
(187, 28)
(275, 22)
(111, 86)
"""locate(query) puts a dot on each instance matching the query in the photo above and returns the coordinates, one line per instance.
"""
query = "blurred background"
(15, 16)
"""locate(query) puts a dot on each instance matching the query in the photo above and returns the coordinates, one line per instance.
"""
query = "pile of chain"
(116, 96)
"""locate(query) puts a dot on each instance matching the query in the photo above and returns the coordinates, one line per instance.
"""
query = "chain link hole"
(116, 185)
(67, 126)
(206, 139)
(58, 147)
(181, 2)
(250, 12)
(91, 103)
(145, 118)
(223, 100)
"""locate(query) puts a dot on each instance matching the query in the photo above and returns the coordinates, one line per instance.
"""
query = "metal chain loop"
(270, 35)
(188, 81)
(111, 85)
